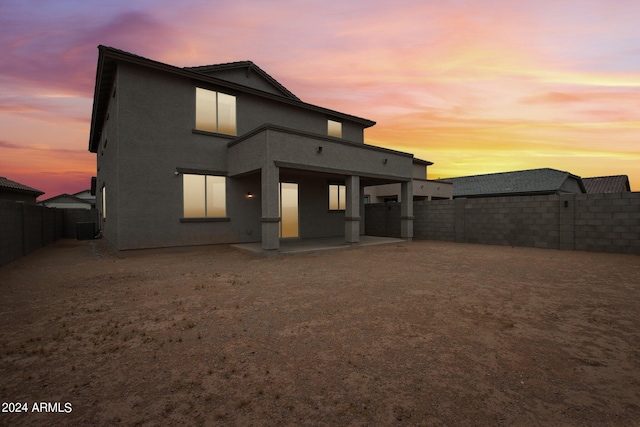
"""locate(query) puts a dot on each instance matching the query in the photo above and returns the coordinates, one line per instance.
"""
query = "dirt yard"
(422, 333)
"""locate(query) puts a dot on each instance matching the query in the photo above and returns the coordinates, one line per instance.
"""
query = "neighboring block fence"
(25, 227)
(588, 222)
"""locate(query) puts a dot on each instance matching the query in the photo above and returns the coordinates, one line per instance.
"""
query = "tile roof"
(607, 184)
(534, 181)
(21, 188)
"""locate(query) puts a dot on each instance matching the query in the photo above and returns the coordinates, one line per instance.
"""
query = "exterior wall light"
(384, 161)
(249, 195)
(319, 149)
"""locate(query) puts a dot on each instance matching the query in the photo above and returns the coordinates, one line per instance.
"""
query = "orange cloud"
(465, 147)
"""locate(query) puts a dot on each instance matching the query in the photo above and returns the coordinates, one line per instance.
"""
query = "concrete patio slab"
(298, 246)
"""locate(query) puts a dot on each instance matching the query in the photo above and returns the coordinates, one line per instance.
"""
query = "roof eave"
(93, 138)
(422, 162)
(35, 193)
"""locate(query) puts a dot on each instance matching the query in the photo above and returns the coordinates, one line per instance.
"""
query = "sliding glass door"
(288, 210)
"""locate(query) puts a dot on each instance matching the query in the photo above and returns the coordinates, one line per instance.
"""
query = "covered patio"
(312, 164)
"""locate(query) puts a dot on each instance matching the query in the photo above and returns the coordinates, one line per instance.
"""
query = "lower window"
(337, 197)
(204, 196)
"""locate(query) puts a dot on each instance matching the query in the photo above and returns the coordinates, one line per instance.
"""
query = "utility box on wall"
(85, 230)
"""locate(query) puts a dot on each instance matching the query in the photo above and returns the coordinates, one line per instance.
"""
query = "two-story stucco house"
(226, 154)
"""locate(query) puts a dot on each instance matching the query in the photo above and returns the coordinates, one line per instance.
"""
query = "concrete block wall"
(517, 221)
(25, 227)
(433, 220)
(11, 244)
(382, 219)
(590, 222)
(74, 216)
(51, 231)
(607, 222)
(33, 227)
(566, 222)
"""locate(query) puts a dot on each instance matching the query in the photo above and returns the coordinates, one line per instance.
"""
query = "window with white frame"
(215, 111)
(204, 196)
(337, 197)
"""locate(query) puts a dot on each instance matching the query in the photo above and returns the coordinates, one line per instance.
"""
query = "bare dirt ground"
(422, 333)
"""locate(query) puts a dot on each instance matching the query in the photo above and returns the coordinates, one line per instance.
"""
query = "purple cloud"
(63, 57)
(7, 144)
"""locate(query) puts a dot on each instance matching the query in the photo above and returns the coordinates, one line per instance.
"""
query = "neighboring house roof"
(607, 184)
(250, 67)
(105, 73)
(66, 198)
(85, 195)
(527, 182)
(7, 184)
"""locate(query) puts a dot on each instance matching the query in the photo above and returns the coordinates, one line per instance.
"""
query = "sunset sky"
(473, 86)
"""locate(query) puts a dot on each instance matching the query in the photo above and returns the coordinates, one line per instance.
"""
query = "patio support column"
(406, 210)
(270, 207)
(352, 210)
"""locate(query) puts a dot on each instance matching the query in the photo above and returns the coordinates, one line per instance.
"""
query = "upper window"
(334, 128)
(337, 197)
(204, 196)
(215, 111)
